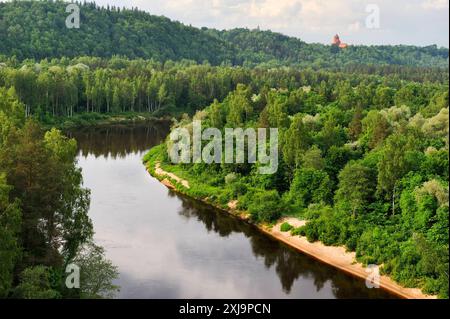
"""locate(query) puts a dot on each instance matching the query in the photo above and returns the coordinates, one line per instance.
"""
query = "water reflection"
(119, 140)
(169, 246)
(289, 264)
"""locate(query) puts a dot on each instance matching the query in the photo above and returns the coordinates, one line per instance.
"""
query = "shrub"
(230, 178)
(309, 186)
(299, 231)
(238, 189)
(266, 206)
(225, 197)
(285, 227)
(35, 284)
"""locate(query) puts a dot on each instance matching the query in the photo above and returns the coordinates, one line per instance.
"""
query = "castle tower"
(337, 42)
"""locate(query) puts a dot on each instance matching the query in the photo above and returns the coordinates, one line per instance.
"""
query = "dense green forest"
(44, 222)
(66, 87)
(363, 137)
(36, 29)
(364, 159)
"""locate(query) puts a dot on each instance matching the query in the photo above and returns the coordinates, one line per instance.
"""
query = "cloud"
(354, 26)
(420, 22)
(277, 9)
(435, 4)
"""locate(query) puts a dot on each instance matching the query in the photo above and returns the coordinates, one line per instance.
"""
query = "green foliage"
(363, 136)
(35, 283)
(265, 206)
(114, 31)
(97, 273)
(43, 209)
(299, 231)
(296, 140)
(10, 252)
(103, 32)
(355, 189)
(309, 186)
(285, 227)
(375, 183)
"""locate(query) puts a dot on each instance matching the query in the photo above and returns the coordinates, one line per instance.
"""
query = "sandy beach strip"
(339, 258)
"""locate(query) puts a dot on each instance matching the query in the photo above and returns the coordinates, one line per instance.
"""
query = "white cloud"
(420, 22)
(277, 9)
(354, 26)
(435, 4)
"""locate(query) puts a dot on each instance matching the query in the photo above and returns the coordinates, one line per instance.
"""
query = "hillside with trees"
(36, 29)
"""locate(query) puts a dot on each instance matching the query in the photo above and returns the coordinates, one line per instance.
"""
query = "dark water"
(168, 246)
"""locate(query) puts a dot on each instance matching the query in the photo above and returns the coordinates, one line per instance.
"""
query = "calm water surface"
(168, 246)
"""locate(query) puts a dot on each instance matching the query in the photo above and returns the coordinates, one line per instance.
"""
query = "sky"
(418, 22)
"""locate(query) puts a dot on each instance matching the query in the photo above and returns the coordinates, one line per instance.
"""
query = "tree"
(162, 95)
(35, 284)
(239, 106)
(331, 134)
(11, 111)
(276, 110)
(376, 128)
(313, 159)
(75, 200)
(296, 140)
(356, 188)
(10, 250)
(266, 206)
(355, 126)
(217, 115)
(97, 273)
(47, 183)
(384, 97)
(309, 186)
(393, 165)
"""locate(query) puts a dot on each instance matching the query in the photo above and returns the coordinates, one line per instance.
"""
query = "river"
(169, 246)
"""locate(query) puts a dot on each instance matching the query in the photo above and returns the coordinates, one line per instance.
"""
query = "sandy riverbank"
(337, 257)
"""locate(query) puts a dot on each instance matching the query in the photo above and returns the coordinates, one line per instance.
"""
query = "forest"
(36, 29)
(363, 152)
(364, 159)
(44, 222)
(88, 85)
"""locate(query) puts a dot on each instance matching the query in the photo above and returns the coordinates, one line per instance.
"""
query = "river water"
(169, 246)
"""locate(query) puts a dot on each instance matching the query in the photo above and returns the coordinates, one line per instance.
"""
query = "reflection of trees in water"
(119, 140)
(289, 264)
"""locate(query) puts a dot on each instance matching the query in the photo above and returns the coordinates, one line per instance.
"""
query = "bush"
(224, 198)
(266, 206)
(309, 186)
(299, 231)
(35, 284)
(230, 178)
(285, 227)
(238, 189)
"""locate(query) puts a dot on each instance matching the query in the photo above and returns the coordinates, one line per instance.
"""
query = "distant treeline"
(36, 29)
(64, 87)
